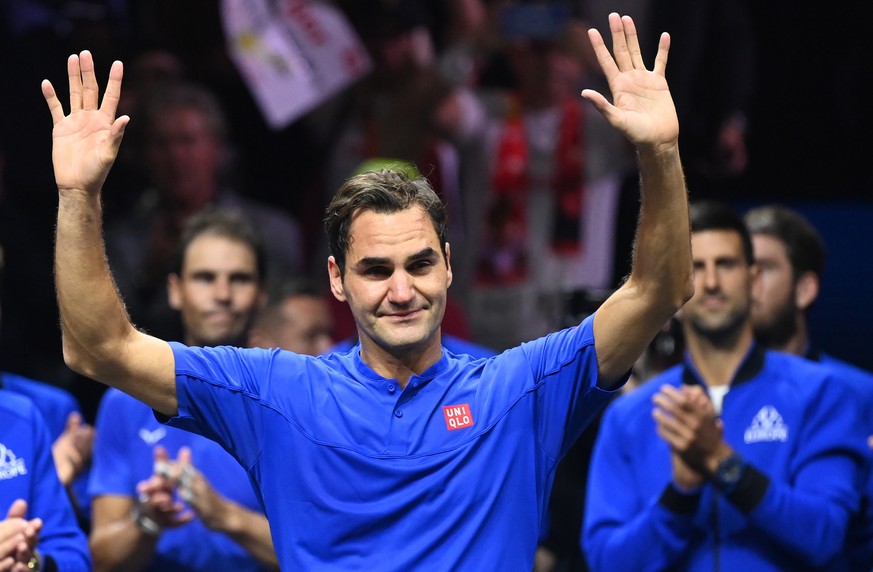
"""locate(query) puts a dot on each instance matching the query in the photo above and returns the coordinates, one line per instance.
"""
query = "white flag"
(292, 54)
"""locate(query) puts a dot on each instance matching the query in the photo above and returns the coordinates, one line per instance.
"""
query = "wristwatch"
(35, 562)
(729, 472)
(147, 525)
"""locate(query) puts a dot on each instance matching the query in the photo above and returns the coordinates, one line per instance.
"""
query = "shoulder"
(460, 346)
(40, 391)
(18, 407)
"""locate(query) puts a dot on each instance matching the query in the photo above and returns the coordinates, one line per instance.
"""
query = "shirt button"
(398, 413)
(391, 388)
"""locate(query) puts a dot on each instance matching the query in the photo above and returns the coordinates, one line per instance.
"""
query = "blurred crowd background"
(772, 96)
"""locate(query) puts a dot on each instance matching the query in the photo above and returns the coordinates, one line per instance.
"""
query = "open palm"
(85, 142)
(642, 106)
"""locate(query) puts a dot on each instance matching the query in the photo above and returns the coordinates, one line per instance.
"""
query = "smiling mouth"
(402, 315)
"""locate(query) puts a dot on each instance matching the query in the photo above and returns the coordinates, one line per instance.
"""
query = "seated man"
(754, 459)
(139, 521)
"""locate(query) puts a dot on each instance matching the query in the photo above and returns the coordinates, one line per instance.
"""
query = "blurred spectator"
(790, 255)
(739, 458)
(39, 531)
(187, 156)
(140, 519)
(296, 318)
(548, 221)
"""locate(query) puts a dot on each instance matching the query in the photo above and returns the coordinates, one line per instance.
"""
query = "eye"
(420, 266)
(377, 272)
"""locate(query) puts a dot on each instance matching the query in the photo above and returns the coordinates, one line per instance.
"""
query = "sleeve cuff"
(750, 489)
(679, 502)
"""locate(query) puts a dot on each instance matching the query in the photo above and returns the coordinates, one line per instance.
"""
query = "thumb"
(18, 509)
(74, 420)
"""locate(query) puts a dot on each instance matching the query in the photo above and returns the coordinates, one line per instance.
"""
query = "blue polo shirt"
(27, 472)
(452, 473)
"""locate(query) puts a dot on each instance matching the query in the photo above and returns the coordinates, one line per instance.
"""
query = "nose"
(710, 277)
(400, 290)
(221, 289)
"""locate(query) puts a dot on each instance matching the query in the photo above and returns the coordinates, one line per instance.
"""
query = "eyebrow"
(381, 260)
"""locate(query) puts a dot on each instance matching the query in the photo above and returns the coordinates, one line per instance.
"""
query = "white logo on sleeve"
(766, 426)
(10, 465)
(152, 437)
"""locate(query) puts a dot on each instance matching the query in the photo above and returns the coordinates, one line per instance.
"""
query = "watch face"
(730, 470)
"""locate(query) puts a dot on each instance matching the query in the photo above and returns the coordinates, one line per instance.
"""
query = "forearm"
(99, 340)
(662, 246)
(93, 319)
(658, 538)
(251, 530)
(808, 524)
(121, 545)
(661, 280)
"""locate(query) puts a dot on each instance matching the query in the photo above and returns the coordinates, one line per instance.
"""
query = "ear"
(448, 265)
(336, 279)
(806, 290)
(174, 291)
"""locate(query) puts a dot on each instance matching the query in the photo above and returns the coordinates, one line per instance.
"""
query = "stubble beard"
(777, 332)
(723, 334)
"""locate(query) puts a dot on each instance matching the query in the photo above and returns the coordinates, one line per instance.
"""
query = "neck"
(401, 363)
(717, 363)
(798, 343)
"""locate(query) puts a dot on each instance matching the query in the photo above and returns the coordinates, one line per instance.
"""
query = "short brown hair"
(384, 191)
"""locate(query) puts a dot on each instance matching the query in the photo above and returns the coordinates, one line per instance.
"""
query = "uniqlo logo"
(458, 416)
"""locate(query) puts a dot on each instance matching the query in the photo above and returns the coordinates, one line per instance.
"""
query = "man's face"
(396, 279)
(774, 311)
(218, 291)
(722, 285)
(305, 325)
(183, 155)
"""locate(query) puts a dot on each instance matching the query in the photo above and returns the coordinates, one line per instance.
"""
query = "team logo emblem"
(10, 465)
(767, 426)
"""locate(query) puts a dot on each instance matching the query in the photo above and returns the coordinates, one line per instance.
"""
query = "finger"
(611, 113)
(661, 58)
(75, 78)
(113, 90)
(117, 134)
(184, 456)
(619, 43)
(90, 91)
(18, 509)
(73, 421)
(633, 43)
(161, 453)
(54, 104)
(607, 64)
(671, 430)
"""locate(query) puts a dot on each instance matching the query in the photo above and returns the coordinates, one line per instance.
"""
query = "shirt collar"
(750, 367)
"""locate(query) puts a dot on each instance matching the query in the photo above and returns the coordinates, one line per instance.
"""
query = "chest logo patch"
(152, 437)
(458, 416)
(767, 426)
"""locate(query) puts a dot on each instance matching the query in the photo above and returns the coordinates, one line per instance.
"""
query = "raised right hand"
(85, 142)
